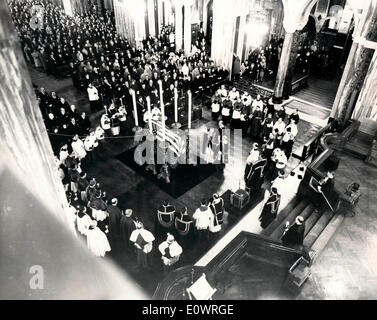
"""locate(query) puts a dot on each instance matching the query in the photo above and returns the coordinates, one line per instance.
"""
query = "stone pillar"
(178, 26)
(291, 65)
(24, 146)
(129, 20)
(151, 22)
(100, 7)
(366, 106)
(187, 26)
(357, 65)
(68, 8)
(283, 68)
(296, 14)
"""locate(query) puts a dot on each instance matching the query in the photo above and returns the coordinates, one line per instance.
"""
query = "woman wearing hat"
(294, 234)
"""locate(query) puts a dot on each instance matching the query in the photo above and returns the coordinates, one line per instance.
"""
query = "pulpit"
(201, 289)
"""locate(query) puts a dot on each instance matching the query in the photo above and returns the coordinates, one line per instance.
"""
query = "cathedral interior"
(85, 85)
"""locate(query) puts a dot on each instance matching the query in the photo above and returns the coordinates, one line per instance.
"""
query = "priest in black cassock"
(127, 226)
(114, 219)
(270, 209)
(165, 217)
(254, 173)
(294, 234)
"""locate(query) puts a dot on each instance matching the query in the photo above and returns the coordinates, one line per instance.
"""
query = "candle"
(161, 93)
(175, 105)
(150, 114)
(163, 122)
(189, 108)
(135, 107)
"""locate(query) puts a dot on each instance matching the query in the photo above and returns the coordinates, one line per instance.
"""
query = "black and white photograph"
(188, 150)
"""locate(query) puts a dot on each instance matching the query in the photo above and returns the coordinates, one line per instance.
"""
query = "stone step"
(309, 209)
(291, 217)
(327, 234)
(281, 216)
(318, 228)
(304, 213)
(310, 222)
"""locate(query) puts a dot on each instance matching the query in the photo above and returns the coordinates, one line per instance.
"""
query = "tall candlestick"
(176, 124)
(149, 114)
(135, 107)
(189, 108)
(161, 93)
(175, 105)
(163, 122)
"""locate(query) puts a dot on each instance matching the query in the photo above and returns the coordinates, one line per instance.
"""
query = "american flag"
(176, 143)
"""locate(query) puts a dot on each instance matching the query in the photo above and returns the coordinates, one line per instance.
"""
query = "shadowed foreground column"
(40, 258)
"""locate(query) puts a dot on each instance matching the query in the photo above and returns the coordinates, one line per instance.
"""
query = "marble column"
(178, 26)
(296, 14)
(283, 67)
(366, 106)
(129, 20)
(291, 65)
(24, 145)
(187, 28)
(68, 8)
(151, 22)
(100, 7)
(357, 65)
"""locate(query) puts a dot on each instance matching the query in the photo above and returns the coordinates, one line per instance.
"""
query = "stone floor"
(347, 268)
(144, 198)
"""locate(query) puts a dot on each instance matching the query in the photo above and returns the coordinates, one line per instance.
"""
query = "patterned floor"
(347, 268)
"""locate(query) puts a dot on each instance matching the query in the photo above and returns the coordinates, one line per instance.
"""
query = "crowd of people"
(262, 62)
(258, 120)
(109, 69)
(51, 39)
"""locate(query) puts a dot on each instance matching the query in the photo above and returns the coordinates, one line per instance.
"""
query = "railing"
(322, 153)
(310, 148)
(299, 84)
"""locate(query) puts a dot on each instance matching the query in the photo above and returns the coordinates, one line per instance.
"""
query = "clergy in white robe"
(254, 154)
(99, 133)
(170, 251)
(97, 241)
(143, 241)
(83, 222)
(78, 147)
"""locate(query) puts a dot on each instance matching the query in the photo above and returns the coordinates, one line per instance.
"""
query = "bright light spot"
(256, 33)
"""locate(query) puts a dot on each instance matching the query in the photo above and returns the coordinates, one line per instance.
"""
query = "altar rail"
(299, 84)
